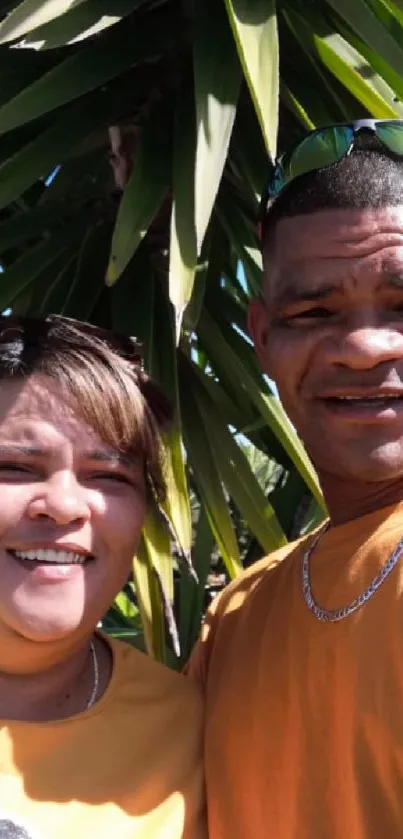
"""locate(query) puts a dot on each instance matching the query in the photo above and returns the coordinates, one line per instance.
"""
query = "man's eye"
(317, 313)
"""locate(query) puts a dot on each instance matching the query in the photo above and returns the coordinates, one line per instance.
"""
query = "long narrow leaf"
(38, 158)
(238, 477)
(87, 281)
(87, 70)
(80, 22)
(144, 192)
(368, 26)
(183, 246)
(255, 30)
(346, 64)
(30, 14)
(207, 478)
(164, 368)
(269, 407)
(150, 603)
(217, 83)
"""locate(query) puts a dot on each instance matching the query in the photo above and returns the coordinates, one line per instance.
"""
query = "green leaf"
(58, 290)
(145, 190)
(89, 69)
(150, 603)
(346, 64)
(79, 23)
(238, 477)
(183, 246)
(217, 74)
(30, 14)
(133, 301)
(25, 225)
(369, 27)
(40, 289)
(192, 594)
(25, 269)
(207, 478)
(242, 237)
(87, 282)
(292, 103)
(268, 405)
(38, 158)
(164, 369)
(254, 25)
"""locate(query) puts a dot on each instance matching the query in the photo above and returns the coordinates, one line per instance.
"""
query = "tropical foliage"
(134, 142)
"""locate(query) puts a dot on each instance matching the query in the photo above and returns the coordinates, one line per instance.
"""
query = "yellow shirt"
(128, 768)
(304, 736)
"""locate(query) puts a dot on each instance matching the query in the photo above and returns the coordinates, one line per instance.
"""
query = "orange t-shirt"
(304, 731)
(128, 768)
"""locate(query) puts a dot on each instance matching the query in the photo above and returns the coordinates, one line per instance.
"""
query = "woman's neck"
(58, 691)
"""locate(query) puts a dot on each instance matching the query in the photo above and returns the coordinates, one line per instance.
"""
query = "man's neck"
(347, 500)
(57, 692)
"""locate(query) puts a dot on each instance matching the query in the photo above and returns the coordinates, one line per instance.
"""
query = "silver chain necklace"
(333, 615)
(93, 695)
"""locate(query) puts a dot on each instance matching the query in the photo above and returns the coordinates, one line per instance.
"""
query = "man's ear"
(258, 327)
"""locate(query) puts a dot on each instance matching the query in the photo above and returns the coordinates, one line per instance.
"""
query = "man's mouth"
(365, 405)
(49, 556)
(376, 400)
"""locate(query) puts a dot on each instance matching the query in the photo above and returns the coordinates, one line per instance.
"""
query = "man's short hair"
(112, 392)
(370, 176)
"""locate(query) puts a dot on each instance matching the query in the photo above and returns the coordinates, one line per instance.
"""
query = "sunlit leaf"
(255, 30)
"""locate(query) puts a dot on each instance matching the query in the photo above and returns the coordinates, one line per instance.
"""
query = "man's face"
(330, 333)
(71, 514)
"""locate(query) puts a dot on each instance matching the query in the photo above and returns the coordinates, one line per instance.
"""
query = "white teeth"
(365, 398)
(46, 555)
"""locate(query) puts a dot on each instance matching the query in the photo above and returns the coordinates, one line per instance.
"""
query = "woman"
(96, 739)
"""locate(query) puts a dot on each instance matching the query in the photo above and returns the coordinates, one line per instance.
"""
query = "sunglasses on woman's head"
(325, 146)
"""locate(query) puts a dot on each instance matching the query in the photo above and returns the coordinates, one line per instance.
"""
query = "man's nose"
(366, 346)
(61, 499)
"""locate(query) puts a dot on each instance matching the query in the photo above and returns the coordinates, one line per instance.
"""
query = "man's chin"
(371, 470)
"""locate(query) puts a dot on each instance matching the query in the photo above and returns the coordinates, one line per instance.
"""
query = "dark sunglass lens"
(320, 149)
(392, 136)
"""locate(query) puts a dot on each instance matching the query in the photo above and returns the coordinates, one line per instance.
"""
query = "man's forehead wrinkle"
(323, 232)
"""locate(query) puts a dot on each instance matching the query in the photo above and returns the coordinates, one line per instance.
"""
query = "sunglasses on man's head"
(325, 146)
(34, 330)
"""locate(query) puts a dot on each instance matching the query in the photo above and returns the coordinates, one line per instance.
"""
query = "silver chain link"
(94, 692)
(333, 615)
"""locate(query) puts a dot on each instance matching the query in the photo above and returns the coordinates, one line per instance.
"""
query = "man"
(96, 739)
(302, 658)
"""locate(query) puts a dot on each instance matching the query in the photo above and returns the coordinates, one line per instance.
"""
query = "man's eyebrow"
(290, 294)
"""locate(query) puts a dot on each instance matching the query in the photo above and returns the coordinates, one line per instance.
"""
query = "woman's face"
(71, 515)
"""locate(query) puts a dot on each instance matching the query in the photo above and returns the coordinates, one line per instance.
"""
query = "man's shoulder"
(239, 608)
(262, 573)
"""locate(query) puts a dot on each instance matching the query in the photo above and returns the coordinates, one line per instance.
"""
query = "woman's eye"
(110, 476)
(15, 469)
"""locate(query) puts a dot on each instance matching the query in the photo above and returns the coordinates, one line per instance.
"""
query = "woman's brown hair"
(101, 371)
